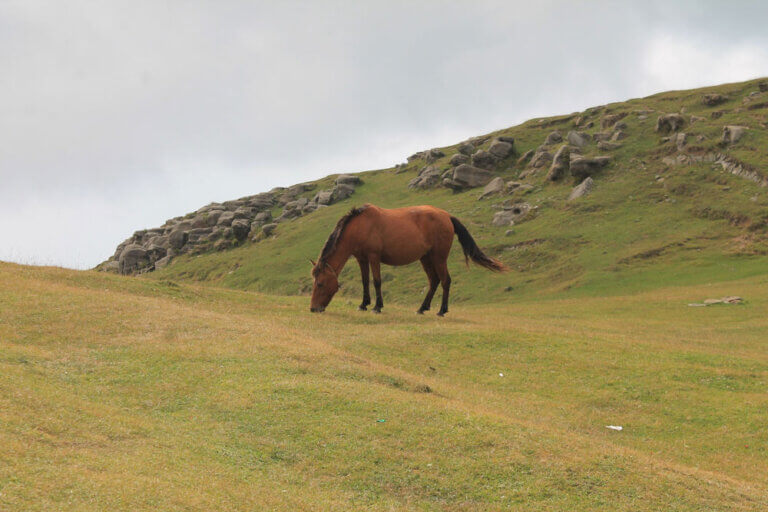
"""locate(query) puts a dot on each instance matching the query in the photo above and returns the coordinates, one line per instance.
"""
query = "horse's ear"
(314, 264)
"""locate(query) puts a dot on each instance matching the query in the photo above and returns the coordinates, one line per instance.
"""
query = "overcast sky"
(115, 116)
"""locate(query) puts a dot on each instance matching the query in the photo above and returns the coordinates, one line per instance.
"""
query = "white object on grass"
(614, 427)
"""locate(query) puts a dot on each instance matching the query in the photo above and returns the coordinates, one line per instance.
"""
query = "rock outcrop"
(667, 123)
(582, 189)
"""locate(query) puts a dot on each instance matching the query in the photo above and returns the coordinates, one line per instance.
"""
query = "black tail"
(472, 251)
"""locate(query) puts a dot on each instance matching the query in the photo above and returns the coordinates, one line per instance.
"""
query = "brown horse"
(401, 236)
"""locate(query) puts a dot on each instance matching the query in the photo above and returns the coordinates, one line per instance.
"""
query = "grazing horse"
(400, 236)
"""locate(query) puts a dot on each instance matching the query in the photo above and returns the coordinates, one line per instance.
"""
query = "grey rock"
(578, 139)
(483, 159)
(511, 214)
(713, 99)
(428, 177)
(541, 158)
(618, 135)
(560, 163)
(323, 197)
(244, 212)
(495, 186)
(553, 138)
(582, 189)
(433, 154)
(582, 167)
(732, 134)
(162, 262)
(500, 149)
(225, 219)
(458, 159)
(132, 258)
(268, 229)
(470, 176)
(667, 123)
(466, 148)
(240, 228)
(526, 157)
(608, 146)
(341, 192)
(507, 139)
(178, 238)
(348, 179)
(678, 140)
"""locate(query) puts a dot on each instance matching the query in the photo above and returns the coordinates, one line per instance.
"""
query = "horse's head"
(326, 284)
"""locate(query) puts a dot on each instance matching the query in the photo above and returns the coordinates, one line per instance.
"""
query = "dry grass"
(120, 393)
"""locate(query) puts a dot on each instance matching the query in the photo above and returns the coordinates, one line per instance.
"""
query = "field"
(121, 393)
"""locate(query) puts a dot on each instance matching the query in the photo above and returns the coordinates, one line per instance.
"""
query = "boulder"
(618, 135)
(541, 158)
(469, 177)
(178, 238)
(268, 229)
(110, 266)
(348, 179)
(225, 219)
(428, 177)
(608, 146)
(667, 123)
(243, 212)
(526, 157)
(433, 154)
(500, 149)
(583, 167)
(678, 139)
(466, 148)
(732, 134)
(578, 139)
(323, 197)
(162, 262)
(610, 120)
(262, 217)
(495, 186)
(341, 192)
(483, 159)
(560, 163)
(553, 138)
(507, 139)
(132, 258)
(713, 99)
(603, 136)
(511, 214)
(240, 229)
(212, 217)
(458, 159)
(763, 86)
(582, 189)
(503, 218)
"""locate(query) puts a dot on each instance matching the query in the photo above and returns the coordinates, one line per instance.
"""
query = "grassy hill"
(119, 393)
(647, 224)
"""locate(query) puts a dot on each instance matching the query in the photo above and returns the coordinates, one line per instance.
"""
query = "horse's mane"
(333, 240)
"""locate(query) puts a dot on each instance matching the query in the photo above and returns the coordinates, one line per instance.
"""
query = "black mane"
(333, 240)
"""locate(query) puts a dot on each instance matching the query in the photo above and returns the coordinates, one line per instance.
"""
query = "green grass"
(646, 225)
(134, 394)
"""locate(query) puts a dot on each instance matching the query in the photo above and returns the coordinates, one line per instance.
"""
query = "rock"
(541, 158)
(508, 140)
(578, 139)
(162, 262)
(178, 238)
(244, 212)
(516, 186)
(433, 154)
(323, 197)
(608, 146)
(263, 217)
(609, 120)
(509, 232)
(225, 219)
(618, 135)
(526, 157)
(110, 266)
(717, 114)
(428, 177)
(763, 86)
(603, 136)
(679, 140)
(222, 244)
(348, 179)
(495, 186)
(553, 138)
(341, 192)
(458, 159)
(732, 134)
(466, 148)
(560, 163)
(240, 229)
(713, 99)
(268, 229)
(582, 167)
(511, 214)
(582, 189)
(483, 159)
(667, 123)
(212, 217)
(470, 177)
(132, 258)
(500, 149)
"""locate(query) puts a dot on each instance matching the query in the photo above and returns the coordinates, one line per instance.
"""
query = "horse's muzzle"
(316, 310)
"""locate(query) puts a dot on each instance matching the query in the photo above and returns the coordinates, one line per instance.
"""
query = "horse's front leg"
(376, 271)
(364, 274)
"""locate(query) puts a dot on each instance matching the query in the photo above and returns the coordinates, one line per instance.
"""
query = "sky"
(115, 116)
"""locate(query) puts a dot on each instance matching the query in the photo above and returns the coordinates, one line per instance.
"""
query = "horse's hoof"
(376, 310)
(362, 308)
(420, 312)
(442, 313)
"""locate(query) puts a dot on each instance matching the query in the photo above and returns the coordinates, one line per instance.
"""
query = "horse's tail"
(472, 251)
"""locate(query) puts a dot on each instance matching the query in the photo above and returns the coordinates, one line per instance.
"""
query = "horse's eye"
(319, 285)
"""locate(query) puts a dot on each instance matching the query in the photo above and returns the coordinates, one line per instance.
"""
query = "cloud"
(115, 118)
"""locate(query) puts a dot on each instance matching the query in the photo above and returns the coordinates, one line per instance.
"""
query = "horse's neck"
(339, 258)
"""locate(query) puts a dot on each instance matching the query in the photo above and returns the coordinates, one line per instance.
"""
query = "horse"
(396, 237)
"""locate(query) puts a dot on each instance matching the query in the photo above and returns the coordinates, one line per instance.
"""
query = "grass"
(144, 394)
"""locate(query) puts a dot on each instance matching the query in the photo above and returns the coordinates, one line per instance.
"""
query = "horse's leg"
(364, 273)
(376, 271)
(445, 279)
(426, 262)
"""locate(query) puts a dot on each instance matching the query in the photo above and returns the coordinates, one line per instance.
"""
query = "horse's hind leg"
(445, 279)
(376, 271)
(364, 274)
(426, 262)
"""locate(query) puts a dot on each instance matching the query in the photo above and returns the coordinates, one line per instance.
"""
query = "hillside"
(139, 394)
(680, 199)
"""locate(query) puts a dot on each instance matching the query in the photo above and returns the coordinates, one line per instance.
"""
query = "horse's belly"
(405, 254)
